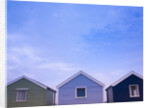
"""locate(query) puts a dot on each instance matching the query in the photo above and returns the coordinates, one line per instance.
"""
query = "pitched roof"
(124, 77)
(75, 75)
(31, 80)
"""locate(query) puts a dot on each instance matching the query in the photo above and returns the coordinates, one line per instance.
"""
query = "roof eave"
(75, 75)
(125, 77)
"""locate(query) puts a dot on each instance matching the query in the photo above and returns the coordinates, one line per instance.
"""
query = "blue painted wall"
(67, 91)
(121, 91)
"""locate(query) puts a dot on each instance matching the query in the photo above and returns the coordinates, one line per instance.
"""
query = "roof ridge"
(124, 77)
(31, 80)
(75, 75)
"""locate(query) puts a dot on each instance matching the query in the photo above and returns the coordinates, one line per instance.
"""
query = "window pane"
(21, 95)
(134, 90)
(81, 92)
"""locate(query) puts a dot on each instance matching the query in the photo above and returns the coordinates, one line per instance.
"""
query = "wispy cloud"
(100, 40)
(18, 56)
(26, 60)
(56, 66)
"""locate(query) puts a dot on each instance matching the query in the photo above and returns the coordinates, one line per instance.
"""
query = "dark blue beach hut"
(128, 88)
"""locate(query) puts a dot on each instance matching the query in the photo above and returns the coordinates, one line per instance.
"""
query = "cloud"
(27, 60)
(60, 66)
(20, 54)
(21, 60)
(69, 38)
(55, 15)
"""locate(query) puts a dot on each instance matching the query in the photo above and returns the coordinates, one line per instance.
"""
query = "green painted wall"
(36, 96)
(50, 96)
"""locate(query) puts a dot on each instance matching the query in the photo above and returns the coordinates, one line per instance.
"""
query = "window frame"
(81, 88)
(130, 91)
(17, 94)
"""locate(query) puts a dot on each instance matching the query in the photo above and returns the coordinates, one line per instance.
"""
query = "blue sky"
(50, 42)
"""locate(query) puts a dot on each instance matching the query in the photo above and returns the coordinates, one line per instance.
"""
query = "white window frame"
(130, 91)
(19, 89)
(80, 88)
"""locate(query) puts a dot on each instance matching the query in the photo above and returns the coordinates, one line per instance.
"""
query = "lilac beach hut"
(80, 88)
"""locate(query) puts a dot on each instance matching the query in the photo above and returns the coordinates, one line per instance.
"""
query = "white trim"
(33, 81)
(130, 92)
(103, 91)
(22, 88)
(57, 96)
(25, 96)
(126, 76)
(75, 75)
(80, 88)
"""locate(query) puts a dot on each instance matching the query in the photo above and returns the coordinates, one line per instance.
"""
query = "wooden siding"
(121, 91)
(36, 96)
(67, 91)
(110, 95)
(50, 97)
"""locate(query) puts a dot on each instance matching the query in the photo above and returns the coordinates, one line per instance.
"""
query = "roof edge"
(126, 76)
(75, 75)
(31, 80)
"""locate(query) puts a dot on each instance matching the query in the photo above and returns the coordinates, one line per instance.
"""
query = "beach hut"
(80, 88)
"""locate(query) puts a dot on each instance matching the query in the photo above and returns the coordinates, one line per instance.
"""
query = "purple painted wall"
(67, 92)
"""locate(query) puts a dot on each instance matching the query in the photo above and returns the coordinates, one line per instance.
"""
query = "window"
(134, 90)
(80, 92)
(21, 95)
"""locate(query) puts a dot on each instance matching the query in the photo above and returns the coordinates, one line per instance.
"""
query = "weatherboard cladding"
(75, 75)
(36, 95)
(31, 80)
(121, 91)
(50, 97)
(67, 91)
(110, 94)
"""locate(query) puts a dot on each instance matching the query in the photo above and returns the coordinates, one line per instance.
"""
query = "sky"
(49, 42)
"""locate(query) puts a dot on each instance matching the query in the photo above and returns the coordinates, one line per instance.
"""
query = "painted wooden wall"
(110, 94)
(67, 91)
(121, 91)
(36, 96)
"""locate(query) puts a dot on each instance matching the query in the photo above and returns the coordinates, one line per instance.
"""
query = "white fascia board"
(33, 81)
(15, 80)
(126, 76)
(75, 75)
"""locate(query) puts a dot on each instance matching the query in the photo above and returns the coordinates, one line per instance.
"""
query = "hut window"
(134, 90)
(80, 92)
(21, 95)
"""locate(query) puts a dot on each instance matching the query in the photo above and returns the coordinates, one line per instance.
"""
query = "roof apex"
(124, 77)
(75, 75)
(31, 80)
